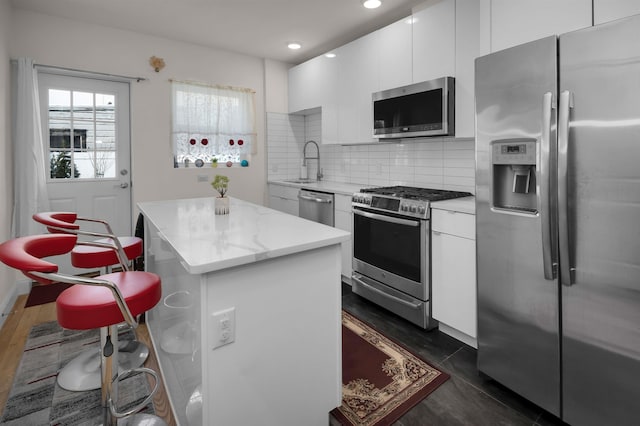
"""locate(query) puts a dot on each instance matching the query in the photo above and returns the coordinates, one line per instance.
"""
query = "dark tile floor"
(468, 397)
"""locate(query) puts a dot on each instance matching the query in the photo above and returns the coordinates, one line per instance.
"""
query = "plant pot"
(221, 205)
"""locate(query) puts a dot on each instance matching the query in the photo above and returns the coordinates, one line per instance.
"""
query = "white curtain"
(29, 171)
(212, 122)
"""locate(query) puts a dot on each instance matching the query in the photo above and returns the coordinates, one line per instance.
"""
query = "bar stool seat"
(87, 257)
(87, 307)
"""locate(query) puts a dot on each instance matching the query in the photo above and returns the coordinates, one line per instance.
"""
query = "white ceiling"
(259, 28)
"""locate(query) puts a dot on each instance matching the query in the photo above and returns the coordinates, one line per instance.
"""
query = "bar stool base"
(142, 420)
(82, 373)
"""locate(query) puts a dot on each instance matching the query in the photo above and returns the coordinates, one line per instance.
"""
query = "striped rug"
(35, 397)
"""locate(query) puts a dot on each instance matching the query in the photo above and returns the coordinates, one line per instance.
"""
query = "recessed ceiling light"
(371, 4)
(330, 55)
(294, 45)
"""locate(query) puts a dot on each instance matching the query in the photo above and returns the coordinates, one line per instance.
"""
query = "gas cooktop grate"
(413, 193)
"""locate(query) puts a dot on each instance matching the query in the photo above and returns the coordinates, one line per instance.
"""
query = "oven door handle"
(390, 219)
(382, 293)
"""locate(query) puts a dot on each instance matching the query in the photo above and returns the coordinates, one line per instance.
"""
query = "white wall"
(7, 276)
(74, 44)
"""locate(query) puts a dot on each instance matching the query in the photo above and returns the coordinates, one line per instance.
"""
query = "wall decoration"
(156, 63)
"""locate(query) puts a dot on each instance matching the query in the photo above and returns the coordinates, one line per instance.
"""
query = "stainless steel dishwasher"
(316, 206)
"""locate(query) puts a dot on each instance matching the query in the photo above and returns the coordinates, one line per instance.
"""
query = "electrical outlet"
(203, 178)
(223, 327)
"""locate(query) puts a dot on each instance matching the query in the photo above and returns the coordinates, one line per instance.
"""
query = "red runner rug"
(381, 380)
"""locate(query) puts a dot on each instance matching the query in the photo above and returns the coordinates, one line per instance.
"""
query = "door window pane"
(62, 165)
(82, 135)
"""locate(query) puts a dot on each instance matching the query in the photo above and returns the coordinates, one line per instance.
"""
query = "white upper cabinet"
(434, 40)
(395, 54)
(515, 22)
(302, 88)
(467, 50)
(357, 80)
(610, 10)
(311, 84)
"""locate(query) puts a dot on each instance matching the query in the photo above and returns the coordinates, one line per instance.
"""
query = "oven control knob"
(421, 209)
(413, 209)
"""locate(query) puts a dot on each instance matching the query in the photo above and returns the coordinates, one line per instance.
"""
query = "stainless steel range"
(391, 248)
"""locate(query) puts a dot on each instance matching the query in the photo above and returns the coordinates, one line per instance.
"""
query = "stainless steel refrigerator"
(558, 222)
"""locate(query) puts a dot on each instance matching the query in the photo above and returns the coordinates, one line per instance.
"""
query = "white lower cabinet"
(344, 221)
(453, 272)
(284, 198)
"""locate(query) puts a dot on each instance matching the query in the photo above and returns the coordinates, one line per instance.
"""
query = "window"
(211, 124)
(82, 129)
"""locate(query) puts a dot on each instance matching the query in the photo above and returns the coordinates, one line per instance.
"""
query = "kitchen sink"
(300, 180)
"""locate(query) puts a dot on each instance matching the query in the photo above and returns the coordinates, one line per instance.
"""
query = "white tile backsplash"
(441, 163)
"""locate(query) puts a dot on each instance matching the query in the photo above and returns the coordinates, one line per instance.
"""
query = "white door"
(85, 124)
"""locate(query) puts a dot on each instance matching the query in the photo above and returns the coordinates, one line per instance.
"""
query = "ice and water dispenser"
(514, 175)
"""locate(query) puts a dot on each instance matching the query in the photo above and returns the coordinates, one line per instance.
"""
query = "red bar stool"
(102, 302)
(102, 253)
(84, 371)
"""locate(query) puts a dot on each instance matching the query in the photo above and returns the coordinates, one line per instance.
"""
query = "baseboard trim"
(6, 306)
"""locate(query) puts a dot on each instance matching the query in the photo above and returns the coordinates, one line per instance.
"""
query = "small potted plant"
(221, 184)
(214, 162)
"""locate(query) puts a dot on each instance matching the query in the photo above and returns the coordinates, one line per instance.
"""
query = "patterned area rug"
(381, 380)
(35, 397)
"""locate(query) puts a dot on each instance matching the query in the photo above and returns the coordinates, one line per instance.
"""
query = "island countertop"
(206, 242)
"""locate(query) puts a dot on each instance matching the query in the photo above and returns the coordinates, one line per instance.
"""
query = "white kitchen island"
(265, 283)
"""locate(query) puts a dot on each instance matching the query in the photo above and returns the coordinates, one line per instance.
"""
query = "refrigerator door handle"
(549, 254)
(567, 269)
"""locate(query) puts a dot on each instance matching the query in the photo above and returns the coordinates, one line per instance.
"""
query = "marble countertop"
(462, 205)
(326, 186)
(206, 242)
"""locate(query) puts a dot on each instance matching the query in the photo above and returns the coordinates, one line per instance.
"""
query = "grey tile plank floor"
(468, 397)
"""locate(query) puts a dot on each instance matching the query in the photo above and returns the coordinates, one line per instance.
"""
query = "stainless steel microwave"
(418, 110)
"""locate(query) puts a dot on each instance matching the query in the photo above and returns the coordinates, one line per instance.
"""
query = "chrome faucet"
(305, 158)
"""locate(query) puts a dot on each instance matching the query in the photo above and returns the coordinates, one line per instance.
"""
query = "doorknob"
(123, 185)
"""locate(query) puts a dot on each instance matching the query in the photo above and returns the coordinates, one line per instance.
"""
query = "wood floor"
(13, 336)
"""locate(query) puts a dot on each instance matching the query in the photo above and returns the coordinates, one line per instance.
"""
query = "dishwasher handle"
(315, 199)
